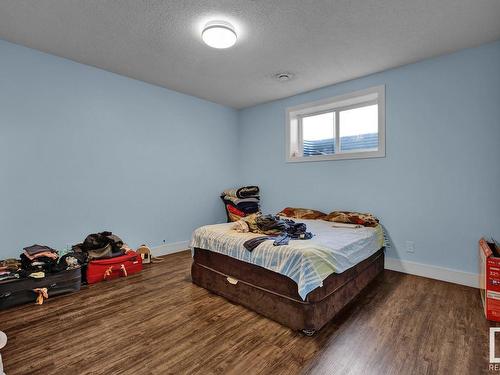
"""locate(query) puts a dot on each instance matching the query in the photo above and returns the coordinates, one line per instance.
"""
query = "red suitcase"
(112, 268)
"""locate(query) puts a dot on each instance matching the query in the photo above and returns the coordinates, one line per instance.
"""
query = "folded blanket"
(246, 207)
(243, 192)
(237, 201)
(234, 210)
(35, 249)
(301, 213)
(365, 219)
(48, 254)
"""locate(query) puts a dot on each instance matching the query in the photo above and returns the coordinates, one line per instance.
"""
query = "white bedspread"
(307, 262)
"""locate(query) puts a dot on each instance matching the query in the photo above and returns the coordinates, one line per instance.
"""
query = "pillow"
(365, 219)
(301, 213)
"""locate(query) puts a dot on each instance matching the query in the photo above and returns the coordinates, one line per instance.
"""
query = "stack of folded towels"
(39, 258)
(241, 202)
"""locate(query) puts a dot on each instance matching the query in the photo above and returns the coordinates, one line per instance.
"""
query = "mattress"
(275, 296)
(307, 262)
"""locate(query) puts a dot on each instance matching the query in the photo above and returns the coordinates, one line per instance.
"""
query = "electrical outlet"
(410, 246)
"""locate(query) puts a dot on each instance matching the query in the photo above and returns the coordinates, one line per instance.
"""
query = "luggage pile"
(241, 202)
(105, 256)
(27, 281)
(41, 271)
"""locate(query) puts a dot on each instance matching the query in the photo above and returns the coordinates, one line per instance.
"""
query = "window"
(350, 126)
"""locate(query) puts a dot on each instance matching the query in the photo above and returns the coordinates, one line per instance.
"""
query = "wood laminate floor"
(158, 322)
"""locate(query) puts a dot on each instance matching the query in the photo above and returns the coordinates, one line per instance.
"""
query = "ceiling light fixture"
(219, 34)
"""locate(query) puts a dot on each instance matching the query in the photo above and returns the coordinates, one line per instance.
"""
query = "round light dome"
(219, 34)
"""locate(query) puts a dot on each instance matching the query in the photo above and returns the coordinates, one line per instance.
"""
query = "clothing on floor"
(104, 252)
(41, 263)
(37, 275)
(42, 295)
(9, 276)
(100, 246)
(35, 249)
(72, 260)
(99, 240)
(39, 258)
(10, 265)
(47, 254)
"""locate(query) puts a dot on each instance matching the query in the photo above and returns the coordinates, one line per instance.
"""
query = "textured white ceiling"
(320, 41)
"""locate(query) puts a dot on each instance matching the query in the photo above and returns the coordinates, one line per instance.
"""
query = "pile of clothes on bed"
(271, 227)
(281, 228)
(241, 202)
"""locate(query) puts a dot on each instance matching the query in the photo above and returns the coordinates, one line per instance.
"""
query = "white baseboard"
(169, 248)
(405, 266)
(433, 272)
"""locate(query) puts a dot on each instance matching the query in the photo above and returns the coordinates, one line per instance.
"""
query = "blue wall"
(439, 185)
(83, 150)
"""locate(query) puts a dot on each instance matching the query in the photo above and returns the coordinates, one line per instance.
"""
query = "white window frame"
(294, 115)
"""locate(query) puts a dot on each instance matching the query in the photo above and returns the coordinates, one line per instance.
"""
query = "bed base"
(275, 296)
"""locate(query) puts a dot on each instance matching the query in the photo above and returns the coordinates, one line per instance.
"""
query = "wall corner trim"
(433, 272)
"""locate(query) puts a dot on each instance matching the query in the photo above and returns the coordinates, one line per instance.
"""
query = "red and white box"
(489, 280)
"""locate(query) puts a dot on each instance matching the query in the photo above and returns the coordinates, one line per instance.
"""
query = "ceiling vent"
(283, 77)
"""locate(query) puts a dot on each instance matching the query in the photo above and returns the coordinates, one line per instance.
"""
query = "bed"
(301, 285)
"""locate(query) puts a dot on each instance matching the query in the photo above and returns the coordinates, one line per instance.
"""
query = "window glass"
(318, 134)
(347, 126)
(358, 128)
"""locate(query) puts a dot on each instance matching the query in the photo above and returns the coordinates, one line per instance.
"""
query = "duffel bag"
(112, 268)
